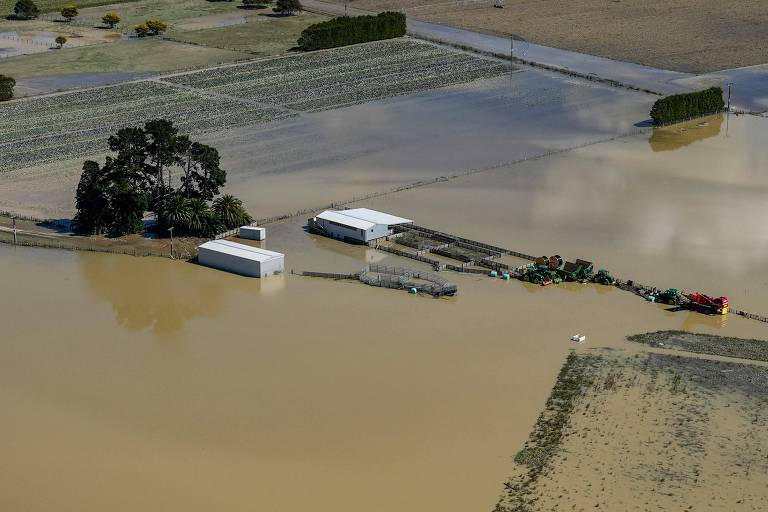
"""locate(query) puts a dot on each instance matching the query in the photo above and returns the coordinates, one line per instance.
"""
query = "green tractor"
(581, 270)
(670, 296)
(603, 277)
(545, 271)
(540, 274)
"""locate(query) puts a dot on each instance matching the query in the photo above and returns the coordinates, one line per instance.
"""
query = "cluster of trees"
(6, 87)
(680, 107)
(347, 30)
(113, 198)
(25, 10)
(150, 28)
(287, 7)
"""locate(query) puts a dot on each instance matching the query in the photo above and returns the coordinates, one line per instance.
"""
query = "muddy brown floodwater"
(143, 384)
(679, 207)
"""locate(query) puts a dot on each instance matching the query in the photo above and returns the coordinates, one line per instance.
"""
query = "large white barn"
(240, 259)
(359, 225)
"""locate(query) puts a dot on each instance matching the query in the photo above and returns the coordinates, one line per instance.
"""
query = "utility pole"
(511, 54)
(14, 230)
(170, 229)
(345, 8)
(728, 111)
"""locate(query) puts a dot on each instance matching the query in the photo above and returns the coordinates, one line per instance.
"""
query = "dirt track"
(684, 35)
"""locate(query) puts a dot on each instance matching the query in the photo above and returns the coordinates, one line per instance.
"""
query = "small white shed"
(240, 258)
(252, 233)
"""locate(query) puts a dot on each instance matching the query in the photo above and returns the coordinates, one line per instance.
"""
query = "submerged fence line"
(431, 181)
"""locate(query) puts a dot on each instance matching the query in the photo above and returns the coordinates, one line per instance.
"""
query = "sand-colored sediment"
(649, 432)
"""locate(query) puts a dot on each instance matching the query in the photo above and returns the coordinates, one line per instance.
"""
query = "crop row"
(38, 131)
(318, 63)
(344, 76)
(69, 125)
(334, 94)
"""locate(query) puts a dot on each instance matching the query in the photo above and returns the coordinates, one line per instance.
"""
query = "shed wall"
(239, 265)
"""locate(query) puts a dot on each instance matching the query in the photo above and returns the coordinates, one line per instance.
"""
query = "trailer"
(706, 304)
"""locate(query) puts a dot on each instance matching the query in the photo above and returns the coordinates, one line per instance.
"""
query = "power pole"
(728, 111)
(511, 54)
(171, 231)
(14, 230)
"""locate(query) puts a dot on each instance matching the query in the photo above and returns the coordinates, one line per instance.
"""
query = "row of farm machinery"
(553, 270)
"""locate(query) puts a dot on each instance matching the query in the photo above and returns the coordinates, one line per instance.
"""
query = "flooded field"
(136, 381)
(313, 159)
(676, 207)
(145, 383)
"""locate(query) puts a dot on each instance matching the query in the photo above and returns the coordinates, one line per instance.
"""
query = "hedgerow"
(680, 107)
(347, 30)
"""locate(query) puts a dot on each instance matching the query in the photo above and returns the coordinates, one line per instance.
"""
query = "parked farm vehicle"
(603, 277)
(581, 270)
(545, 271)
(708, 305)
(670, 296)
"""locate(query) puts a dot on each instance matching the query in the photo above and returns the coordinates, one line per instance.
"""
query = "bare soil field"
(648, 432)
(696, 37)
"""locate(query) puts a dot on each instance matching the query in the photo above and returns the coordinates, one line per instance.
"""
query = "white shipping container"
(240, 258)
(253, 233)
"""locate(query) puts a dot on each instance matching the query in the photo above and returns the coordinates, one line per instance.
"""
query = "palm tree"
(231, 212)
(199, 216)
(176, 212)
(213, 225)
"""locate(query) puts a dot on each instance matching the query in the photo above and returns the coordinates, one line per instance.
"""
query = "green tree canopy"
(61, 41)
(289, 7)
(230, 211)
(141, 30)
(69, 12)
(26, 10)
(107, 205)
(141, 176)
(6, 87)
(110, 19)
(156, 27)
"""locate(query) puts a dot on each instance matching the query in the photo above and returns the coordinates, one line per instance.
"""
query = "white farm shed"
(240, 258)
(252, 233)
(357, 224)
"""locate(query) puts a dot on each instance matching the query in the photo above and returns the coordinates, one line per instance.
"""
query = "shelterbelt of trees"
(346, 30)
(680, 107)
(113, 198)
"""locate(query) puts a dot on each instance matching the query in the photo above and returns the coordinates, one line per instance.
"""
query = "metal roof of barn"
(241, 250)
(347, 220)
(375, 216)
